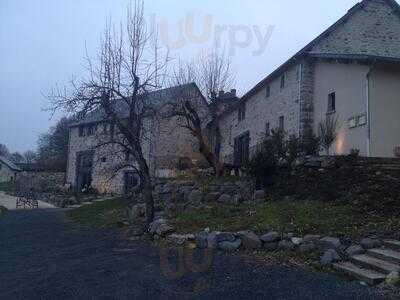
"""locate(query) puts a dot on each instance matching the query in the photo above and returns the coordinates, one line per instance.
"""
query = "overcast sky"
(42, 43)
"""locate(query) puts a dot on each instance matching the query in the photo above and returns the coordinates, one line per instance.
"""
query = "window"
(281, 123)
(242, 112)
(283, 79)
(267, 129)
(103, 159)
(268, 91)
(81, 130)
(331, 102)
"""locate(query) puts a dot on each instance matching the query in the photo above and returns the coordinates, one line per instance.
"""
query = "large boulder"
(286, 245)
(354, 250)
(180, 239)
(329, 243)
(164, 229)
(311, 238)
(230, 246)
(307, 247)
(212, 239)
(369, 243)
(225, 237)
(329, 257)
(271, 237)
(202, 240)
(250, 240)
(259, 195)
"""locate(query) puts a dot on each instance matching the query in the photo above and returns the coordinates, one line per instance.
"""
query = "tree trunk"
(147, 189)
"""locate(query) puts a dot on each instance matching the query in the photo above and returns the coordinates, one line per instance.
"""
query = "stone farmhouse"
(351, 71)
(8, 170)
(93, 161)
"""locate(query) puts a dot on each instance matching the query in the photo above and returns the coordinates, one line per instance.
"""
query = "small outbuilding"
(8, 170)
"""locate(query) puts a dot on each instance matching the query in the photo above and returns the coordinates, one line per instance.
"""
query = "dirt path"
(10, 202)
(43, 256)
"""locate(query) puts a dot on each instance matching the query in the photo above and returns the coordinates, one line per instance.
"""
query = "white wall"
(385, 110)
(6, 174)
(349, 83)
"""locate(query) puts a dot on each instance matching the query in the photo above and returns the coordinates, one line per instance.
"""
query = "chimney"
(233, 92)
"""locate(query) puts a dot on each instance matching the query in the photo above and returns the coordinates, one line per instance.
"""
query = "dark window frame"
(331, 103)
(281, 125)
(242, 112)
(283, 81)
(268, 91)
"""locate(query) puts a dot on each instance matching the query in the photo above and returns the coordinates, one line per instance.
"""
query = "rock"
(286, 245)
(195, 196)
(164, 229)
(225, 237)
(250, 240)
(271, 237)
(354, 250)
(329, 243)
(212, 239)
(330, 256)
(224, 198)
(259, 195)
(212, 197)
(311, 238)
(179, 239)
(393, 278)
(201, 240)
(155, 224)
(297, 241)
(307, 247)
(230, 246)
(369, 243)
(270, 246)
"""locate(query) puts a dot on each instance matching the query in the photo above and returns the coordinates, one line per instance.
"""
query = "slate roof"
(9, 164)
(155, 98)
(306, 50)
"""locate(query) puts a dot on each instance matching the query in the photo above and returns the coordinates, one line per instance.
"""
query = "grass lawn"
(103, 214)
(300, 217)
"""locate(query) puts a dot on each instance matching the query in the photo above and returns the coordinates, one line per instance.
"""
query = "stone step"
(376, 264)
(368, 276)
(385, 254)
(392, 244)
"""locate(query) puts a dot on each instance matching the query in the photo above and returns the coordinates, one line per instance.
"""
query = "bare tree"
(30, 157)
(328, 132)
(212, 73)
(130, 65)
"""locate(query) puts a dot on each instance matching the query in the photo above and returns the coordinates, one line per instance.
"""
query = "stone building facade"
(8, 170)
(108, 169)
(350, 72)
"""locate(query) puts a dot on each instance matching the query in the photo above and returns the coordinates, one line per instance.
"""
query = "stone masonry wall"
(373, 30)
(260, 110)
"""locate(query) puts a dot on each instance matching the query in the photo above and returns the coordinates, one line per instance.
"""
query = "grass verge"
(105, 214)
(300, 217)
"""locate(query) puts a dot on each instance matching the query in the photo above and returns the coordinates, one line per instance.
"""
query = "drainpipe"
(368, 112)
(300, 82)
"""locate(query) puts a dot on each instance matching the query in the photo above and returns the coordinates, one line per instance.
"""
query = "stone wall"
(372, 30)
(41, 182)
(175, 195)
(261, 110)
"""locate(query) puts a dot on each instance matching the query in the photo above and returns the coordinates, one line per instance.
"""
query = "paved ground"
(42, 256)
(10, 202)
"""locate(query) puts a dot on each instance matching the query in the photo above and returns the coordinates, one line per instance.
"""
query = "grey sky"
(43, 42)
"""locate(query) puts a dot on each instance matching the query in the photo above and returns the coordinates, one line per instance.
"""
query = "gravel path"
(43, 256)
(10, 202)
